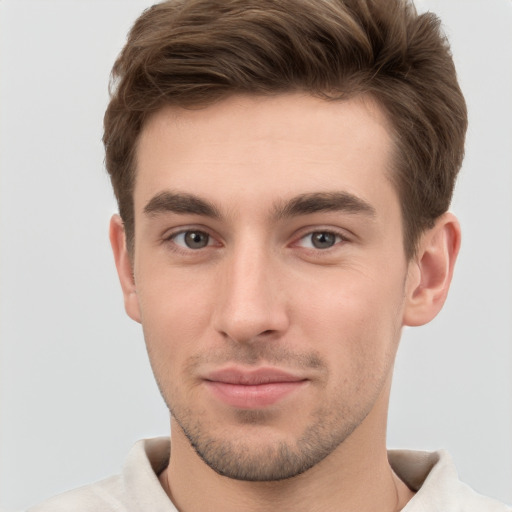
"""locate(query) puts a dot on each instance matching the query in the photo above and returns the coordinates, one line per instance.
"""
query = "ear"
(124, 267)
(431, 271)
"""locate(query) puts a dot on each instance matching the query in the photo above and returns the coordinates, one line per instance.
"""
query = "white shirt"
(137, 489)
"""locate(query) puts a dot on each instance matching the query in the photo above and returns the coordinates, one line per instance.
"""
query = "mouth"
(252, 389)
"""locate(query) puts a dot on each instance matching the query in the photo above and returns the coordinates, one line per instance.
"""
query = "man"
(283, 172)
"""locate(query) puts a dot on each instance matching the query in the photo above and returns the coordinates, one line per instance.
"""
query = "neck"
(356, 476)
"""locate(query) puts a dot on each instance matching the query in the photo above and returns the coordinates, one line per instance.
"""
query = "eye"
(192, 239)
(320, 240)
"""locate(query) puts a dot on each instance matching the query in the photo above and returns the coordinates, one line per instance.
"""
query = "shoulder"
(136, 489)
(106, 495)
(434, 479)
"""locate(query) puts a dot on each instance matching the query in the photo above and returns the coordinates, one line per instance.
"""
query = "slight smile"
(252, 389)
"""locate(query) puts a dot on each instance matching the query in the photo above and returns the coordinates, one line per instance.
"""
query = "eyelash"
(338, 238)
(171, 239)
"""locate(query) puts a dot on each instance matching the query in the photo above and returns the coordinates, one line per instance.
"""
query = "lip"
(252, 389)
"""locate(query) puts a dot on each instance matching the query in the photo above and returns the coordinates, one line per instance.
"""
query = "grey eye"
(192, 239)
(323, 240)
(320, 240)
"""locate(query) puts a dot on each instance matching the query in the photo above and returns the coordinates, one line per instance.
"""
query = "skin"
(268, 234)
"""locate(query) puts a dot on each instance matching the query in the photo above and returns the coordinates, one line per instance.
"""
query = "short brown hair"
(191, 53)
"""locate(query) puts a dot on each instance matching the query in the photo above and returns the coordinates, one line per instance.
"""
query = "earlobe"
(124, 267)
(431, 271)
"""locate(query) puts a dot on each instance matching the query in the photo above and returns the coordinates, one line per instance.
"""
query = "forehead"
(248, 149)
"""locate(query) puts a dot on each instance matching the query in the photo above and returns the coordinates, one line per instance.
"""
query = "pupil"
(323, 240)
(196, 240)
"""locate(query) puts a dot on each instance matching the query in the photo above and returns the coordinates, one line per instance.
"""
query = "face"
(269, 276)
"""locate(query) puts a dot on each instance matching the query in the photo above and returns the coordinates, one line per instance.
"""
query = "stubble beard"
(237, 459)
(329, 425)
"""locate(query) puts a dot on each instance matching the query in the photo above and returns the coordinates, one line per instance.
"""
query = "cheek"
(352, 317)
(176, 311)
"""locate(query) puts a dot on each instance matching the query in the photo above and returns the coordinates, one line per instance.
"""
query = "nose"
(251, 304)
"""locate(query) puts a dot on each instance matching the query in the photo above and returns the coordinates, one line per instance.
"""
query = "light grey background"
(75, 387)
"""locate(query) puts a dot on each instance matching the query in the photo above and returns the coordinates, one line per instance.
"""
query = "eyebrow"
(180, 203)
(304, 204)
